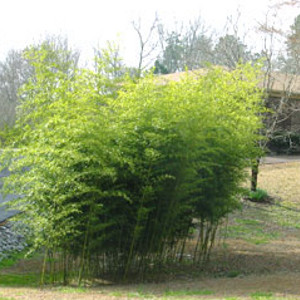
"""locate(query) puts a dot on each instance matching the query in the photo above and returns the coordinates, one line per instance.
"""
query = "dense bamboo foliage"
(114, 178)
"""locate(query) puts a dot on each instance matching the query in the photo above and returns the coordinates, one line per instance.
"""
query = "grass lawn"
(258, 259)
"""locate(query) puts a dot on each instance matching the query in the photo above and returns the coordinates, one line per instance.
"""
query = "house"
(283, 97)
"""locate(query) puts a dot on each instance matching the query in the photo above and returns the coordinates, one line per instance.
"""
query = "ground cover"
(257, 256)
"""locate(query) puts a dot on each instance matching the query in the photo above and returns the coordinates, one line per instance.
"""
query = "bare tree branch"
(148, 43)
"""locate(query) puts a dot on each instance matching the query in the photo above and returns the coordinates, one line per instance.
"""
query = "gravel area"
(11, 240)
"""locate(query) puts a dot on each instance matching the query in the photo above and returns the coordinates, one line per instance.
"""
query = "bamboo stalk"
(42, 280)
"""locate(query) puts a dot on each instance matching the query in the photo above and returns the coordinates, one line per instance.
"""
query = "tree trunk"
(254, 174)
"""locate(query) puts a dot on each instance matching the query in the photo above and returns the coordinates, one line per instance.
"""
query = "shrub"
(258, 196)
(285, 143)
(116, 179)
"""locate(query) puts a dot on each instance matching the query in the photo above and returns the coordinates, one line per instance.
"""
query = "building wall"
(289, 119)
(295, 118)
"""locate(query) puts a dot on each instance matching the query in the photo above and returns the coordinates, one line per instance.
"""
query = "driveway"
(280, 159)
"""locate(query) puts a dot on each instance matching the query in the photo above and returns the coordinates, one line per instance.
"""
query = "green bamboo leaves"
(115, 182)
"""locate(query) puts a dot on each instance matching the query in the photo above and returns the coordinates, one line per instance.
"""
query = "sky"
(90, 23)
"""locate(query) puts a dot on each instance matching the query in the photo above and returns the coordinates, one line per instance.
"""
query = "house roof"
(283, 84)
(276, 84)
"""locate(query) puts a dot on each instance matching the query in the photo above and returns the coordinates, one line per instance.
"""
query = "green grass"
(13, 280)
(257, 224)
(284, 217)
(12, 259)
(248, 221)
(116, 294)
(261, 295)
(251, 231)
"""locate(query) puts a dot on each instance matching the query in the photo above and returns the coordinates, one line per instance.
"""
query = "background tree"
(57, 57)
(230, 50)
(112, 64)
(172, 58)
(148, 44)
(59, 53)
(17, 70)
(189, 47)
(14, 72)
(290, 62)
